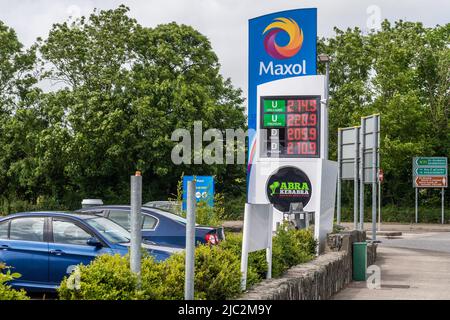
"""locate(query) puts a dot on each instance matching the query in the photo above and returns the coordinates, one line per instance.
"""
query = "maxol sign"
(281, 45)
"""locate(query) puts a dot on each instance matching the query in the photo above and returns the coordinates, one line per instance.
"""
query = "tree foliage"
(403, 73)
(121, 89)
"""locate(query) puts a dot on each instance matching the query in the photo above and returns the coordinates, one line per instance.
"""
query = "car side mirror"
(94, 242)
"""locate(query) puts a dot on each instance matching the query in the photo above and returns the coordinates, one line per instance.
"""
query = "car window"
(4, 230)
(122, 218)
(67, 232)
(149, 222)
(112, 231)
(27, 229)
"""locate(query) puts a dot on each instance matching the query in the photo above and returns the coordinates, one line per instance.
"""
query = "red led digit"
(312, 106)
(312, 119)
(313, 148)
(312, 134)
(290, 106)
(290, 147)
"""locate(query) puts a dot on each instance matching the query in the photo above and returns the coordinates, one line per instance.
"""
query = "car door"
(162, 230)
(24, 248)
(68, 247)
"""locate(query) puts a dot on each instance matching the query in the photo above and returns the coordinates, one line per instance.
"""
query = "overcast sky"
(223, 21)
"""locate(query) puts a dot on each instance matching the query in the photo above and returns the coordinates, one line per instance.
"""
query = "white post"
(338, 191)
(417, 204)
(361, 173)
(136, 224)
(374, 178)
(190, 242)
(327, 104)
(442, 209)
(379, 205)
(356, 180)
(269, 246)
(244, 253)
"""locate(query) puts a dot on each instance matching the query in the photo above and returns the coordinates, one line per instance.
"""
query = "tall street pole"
(190, 242)
(136, 223)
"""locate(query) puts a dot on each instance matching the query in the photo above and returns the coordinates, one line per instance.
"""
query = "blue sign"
(204, 189)
(281, 45)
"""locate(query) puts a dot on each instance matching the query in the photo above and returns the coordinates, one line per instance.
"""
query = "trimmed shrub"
(217, 274)
(108, 277)
(217, 271)
(257, 264)
(6, 292)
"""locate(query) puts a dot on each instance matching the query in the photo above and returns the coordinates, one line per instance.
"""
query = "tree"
(127, 88)
(403, 73)
(18, 98)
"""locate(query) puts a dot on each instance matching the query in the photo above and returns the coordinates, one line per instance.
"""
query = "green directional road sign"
(427, 161)
(430, 172)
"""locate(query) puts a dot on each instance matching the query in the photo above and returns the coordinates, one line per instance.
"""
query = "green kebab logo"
(289, 188)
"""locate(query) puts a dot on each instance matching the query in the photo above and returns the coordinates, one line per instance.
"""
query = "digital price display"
(290, 126)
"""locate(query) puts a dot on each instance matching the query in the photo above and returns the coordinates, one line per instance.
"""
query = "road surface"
(414, 266)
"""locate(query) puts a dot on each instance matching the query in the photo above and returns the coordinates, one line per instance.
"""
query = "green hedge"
(217, 271)
(391, 213)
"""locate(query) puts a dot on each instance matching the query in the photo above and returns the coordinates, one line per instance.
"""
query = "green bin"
(360, 261)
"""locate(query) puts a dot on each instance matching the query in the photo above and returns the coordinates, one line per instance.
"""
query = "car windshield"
(113, 232)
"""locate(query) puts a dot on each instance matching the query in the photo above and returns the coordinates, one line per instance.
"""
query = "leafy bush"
(257, 264)
(217, 274)
(6, 292)
(394, 213)
(234, 207)
(108, 277)
(291, 247)
(8, 206)
(217, 271)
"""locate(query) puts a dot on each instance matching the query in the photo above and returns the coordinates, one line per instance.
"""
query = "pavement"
(414, 261)
(237, 225)
(404, 227)
(413, 266)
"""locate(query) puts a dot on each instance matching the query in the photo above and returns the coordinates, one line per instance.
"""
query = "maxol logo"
(295, 34)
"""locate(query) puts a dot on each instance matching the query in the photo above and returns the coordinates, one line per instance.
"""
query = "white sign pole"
(417, 204)
(338, 198)
(190, 242)
(356, 180)
(245, 243)
(374, 178)
(136, 223)
(379, 205)
(269, 245)
(362, 140)
(442, 209)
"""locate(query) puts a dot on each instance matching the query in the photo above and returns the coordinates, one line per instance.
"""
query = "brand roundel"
(286, 186)
(294, 32)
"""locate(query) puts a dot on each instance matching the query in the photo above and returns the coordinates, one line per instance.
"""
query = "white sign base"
(257, 236)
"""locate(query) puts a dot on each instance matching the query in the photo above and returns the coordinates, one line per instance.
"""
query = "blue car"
(159, 226)
(46, 246)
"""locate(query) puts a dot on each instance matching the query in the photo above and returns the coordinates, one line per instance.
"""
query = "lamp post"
(324, 58)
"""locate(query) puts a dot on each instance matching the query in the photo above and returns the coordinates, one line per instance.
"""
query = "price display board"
(291, 126)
